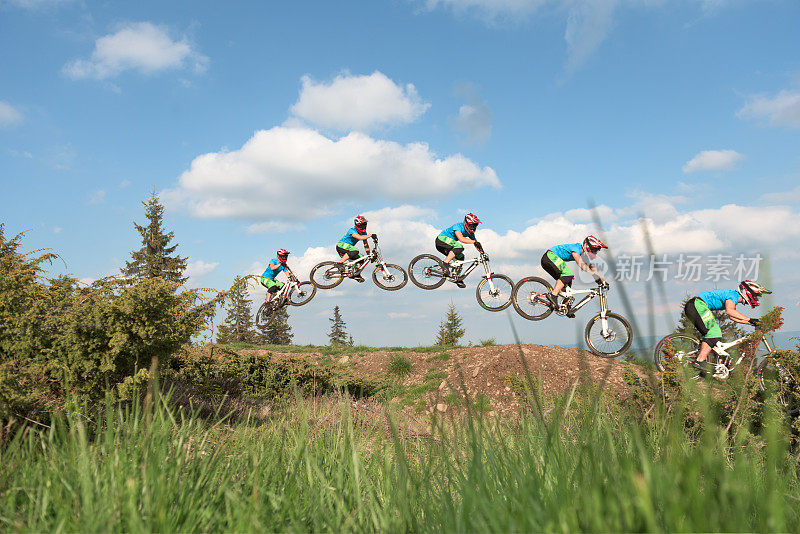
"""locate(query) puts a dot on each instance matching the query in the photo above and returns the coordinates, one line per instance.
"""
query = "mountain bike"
(293, 292)
(607, 334)
(685, 348)
(493, 291)
(388, 276)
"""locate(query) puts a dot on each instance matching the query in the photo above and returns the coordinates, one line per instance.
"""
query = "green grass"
(580, 469)
(491, 342)
(336, 350)
(400, 366)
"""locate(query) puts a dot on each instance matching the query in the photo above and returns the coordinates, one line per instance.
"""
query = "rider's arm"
(464, 239)
(734, 314)
(586, 267)
(364, 238)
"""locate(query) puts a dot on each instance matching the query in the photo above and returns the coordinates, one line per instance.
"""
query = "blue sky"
(271, 124)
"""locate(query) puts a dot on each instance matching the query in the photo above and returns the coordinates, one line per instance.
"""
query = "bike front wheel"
(678, 346)
(427, 271)
(496, 299)
(327, 275)
(303, 293)
(614, 341)
(392, 278)
(529, 297)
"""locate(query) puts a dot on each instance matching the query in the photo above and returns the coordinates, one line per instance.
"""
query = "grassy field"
(318, 466)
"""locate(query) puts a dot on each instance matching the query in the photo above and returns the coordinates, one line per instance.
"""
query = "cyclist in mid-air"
(346, 247)
(449, 242)
(699, 309)
(275, 266)
(554, 262)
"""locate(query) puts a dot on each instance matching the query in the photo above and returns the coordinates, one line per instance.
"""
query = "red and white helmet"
(283, 255)
(471, 222)
(591, 245)
(751, 292)
(360, 223)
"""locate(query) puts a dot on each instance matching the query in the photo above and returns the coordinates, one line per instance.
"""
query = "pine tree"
(278, 331)
(450, 330)
(338, 333)
(155, 259)
(238, 325)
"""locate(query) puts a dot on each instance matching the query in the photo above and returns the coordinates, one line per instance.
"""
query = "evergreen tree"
(450, 330)
(278, 331)
(338, 333)
(238, 325)
(156, 258)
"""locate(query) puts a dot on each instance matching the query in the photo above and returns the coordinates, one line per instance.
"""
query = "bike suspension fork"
(603, 312)
(489, 277)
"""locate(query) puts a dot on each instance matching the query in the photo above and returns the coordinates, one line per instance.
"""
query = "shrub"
(63, 345)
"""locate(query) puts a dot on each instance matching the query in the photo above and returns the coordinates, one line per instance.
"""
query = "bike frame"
(283, 295)
(599, 291)
(472, 265)
(352, 265)
(721, 349)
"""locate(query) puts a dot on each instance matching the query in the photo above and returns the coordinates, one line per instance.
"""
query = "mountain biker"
(275, 266)
(554, 262)
(699, 309)
(448, 242)
(346, 247)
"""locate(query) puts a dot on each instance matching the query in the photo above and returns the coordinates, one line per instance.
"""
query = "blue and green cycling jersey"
(565, 251)
(716, 299)
(451, 231)
(271, 273)
(348, 237)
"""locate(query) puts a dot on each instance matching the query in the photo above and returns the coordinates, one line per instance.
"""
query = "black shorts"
(553, 270)
(446, 248)
(690, 309)
(352, 254)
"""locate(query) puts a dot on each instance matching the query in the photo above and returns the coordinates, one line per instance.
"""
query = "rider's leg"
(273, 286)
(705, 323)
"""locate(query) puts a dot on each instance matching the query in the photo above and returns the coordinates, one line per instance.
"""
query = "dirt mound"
(433, 379)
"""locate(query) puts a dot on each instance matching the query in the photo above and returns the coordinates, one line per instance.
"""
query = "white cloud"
(36, 4)
(57, 229)
(124, 183)
(714, 160)
(139, 46)
(98, 197)
(588, 25)
(358, 102)
(785, 197)
(298, 173)
(782, 109)
(727, 228)
(273, 227)
(587, 22)
(9, 115)
(474, 119)
(200, 268)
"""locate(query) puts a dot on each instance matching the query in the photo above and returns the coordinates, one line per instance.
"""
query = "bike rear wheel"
(427, 271)
(529, 298)
(678, 346)
(327, 275)
(303, 293)
(264, 314)
(392, 278)
(617, 339)
(496, 300)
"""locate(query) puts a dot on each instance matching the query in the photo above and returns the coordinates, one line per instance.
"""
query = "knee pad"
(712, 341)
(567, 280)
